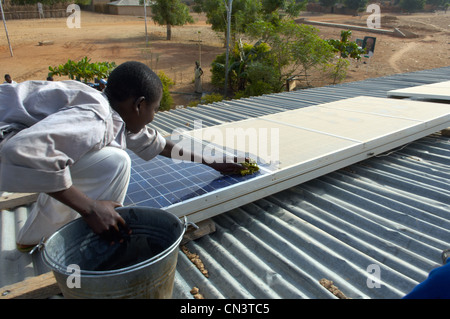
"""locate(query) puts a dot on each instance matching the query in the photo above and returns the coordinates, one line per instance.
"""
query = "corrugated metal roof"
(387, 215)
(391, 212)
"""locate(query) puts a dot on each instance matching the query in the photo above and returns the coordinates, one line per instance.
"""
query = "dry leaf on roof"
(332, 288)
(195, 259)
(196, 293)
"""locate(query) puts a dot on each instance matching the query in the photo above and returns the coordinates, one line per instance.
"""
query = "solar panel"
(309, 142)
(162, 182)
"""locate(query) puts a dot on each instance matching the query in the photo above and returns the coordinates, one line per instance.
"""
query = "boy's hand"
(101, 216)
(228, 167)
(106, 222)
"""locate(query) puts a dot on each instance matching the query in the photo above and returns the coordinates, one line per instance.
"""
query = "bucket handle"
(187, 224)
(38, 247)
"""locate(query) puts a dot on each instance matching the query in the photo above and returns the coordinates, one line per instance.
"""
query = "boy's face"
(143, 113)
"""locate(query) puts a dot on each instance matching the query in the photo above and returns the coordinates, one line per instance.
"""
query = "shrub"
(262, 78)
(207, 99)
(338, 70)
(244, 60)
(83, 70)
(166, 100)
(346, 48)
(211, 98)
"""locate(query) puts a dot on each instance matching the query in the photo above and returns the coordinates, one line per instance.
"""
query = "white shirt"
(57, 123)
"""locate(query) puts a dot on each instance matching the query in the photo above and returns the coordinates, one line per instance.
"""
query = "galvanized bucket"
(87, 266)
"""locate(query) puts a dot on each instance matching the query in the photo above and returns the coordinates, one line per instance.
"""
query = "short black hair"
(133, 79)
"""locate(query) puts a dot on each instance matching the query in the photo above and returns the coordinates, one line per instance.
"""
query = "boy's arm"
(101, 216)
(171, 150)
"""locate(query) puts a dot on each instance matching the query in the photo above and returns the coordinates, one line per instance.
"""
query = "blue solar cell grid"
(162, 181)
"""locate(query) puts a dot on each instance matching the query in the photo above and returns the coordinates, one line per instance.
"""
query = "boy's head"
(8, 78)
(135, 92)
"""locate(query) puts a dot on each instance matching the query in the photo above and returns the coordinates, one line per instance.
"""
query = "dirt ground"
(121, 38)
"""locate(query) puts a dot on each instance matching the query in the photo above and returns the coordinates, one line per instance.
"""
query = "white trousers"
(101, 175)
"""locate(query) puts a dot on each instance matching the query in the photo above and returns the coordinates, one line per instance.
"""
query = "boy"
(8, 80)
(66, 141)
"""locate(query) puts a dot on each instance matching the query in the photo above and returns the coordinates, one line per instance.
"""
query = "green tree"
(436, 2)
(46, 2)
(412, 5)
(356, 5)
(171, 13)
(295, 48)
(329, 3)
(283, 51)
(248, 64)
(245, 12)
(262, 78)
(310, 51)
(275, 10)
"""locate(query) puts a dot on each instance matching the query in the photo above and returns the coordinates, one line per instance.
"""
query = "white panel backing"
(436, 91)
(312, 142)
